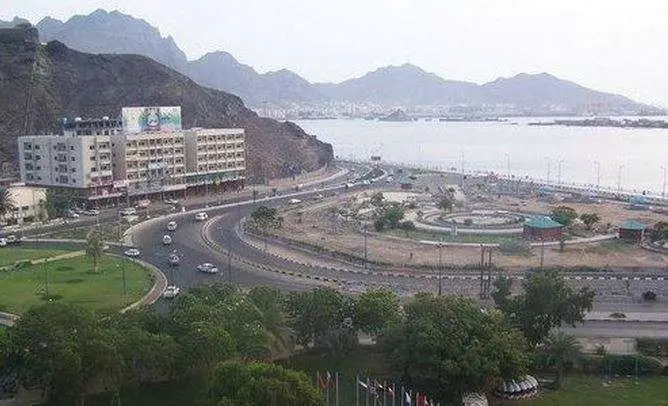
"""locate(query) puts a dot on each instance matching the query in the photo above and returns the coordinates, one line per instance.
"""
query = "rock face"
(40, 84)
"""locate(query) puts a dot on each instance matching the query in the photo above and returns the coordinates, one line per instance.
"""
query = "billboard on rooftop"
(151, 119)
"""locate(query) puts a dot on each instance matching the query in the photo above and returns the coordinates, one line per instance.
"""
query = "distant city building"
(28, 205)
(144, 153)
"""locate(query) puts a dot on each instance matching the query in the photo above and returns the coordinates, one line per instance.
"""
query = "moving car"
(171, 201)
(143, 204)
(171, 292)
(92, 212)
(72, 214)
(13, 239)
(132, 252)
(294, 201)
(174, 259)
(171, 226)
(166, 239)
(3, 242)
(201, 216)
(207, 268)
(130, 211)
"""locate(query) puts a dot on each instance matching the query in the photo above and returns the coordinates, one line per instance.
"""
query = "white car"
(174, 259)
(132, 252)
(171, 201)
(171, 226)
(92, 212)
(171, 292)
(3, 242)
(207, 268)
(130, 211)
(201, 216)
(294, 201)
(166, 239)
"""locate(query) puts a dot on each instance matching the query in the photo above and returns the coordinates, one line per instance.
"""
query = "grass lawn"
(10, 255)
(590, 391)
(72, 281)
(446, 237)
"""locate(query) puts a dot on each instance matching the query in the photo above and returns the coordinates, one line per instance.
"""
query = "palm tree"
(563, 350)
(6, 201)
(94, 248)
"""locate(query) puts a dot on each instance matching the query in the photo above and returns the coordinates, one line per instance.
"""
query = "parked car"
(92, 212)
(207, 268)
(294, 201)
(143, 204)
(132, 252)
(14, 239)
(166, 239)
(171, 292)
(71, 214)
(171, 201)
(130, 211)
(201, 216)
(171, 226)
(3, 242)
(174, 259)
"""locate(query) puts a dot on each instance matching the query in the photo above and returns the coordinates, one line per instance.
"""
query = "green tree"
(314, 314)
(261, 384)
(58, 201)
(564, 215)
(589, 219)
(407, 226)
(376, 310)
(393, 215)
(563, 351)
(447, 201)
(6, 201)
(94, 248)
(502, 289)
(547, 302)
(265, 218)
(448, 346)
(65, 350)
(271, 304)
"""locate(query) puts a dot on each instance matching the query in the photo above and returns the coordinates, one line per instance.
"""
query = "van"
(201, 216)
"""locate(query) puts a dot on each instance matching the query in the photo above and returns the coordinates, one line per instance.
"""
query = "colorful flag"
(421, 399)
(407, 398)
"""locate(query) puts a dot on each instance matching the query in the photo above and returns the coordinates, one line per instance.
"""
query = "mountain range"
(405, 85)
(42, 83)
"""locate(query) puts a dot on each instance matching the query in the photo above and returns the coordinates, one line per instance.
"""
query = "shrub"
(515, 247)
(468, 222)
(621, 365)
(649, 296)
(652, 347)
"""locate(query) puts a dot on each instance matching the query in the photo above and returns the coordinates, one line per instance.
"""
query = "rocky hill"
(406, 85)
(40, 84)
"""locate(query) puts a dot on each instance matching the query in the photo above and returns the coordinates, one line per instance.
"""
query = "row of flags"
(372, 392)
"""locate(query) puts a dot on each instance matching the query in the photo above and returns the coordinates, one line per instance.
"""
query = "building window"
(27, 145)
(36, 146)
(38, 157)
(72, 159)
(71, 147)
(39, 168)
(91, 147)
(74, 180)
(29, 167)
(73, 170)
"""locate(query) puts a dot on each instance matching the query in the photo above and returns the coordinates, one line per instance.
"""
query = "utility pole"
(440, 269)
(559, 171)
(547, 180)
(619, 179)
(364, 226)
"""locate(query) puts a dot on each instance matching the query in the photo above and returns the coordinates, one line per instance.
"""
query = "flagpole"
(357, 390)
(403, 396)
(367, 392)
(394, 394)
(327, 391)
(384, 393)
(337, 389)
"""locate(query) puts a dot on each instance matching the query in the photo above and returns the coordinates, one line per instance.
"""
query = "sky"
(609, 45)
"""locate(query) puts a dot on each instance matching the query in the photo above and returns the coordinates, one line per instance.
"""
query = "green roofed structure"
(632, 230)
(543, 228)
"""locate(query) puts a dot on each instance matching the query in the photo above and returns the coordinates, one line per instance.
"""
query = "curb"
(156, 291)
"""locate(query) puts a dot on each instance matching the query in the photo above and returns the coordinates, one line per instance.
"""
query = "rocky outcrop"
(40, 84)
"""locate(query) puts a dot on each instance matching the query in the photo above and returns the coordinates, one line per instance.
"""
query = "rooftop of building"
(543, 222)
(633, 225)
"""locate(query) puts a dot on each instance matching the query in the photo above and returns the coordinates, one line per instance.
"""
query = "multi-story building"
(93, 126)
(215, 156)
(150, 162)
(79, 162)
(144, 154)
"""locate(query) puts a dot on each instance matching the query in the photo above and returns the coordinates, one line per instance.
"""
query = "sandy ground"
(320, 225)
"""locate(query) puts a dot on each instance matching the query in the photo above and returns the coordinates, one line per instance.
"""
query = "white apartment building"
(150, 162)
(82, 163)
(215, 156)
